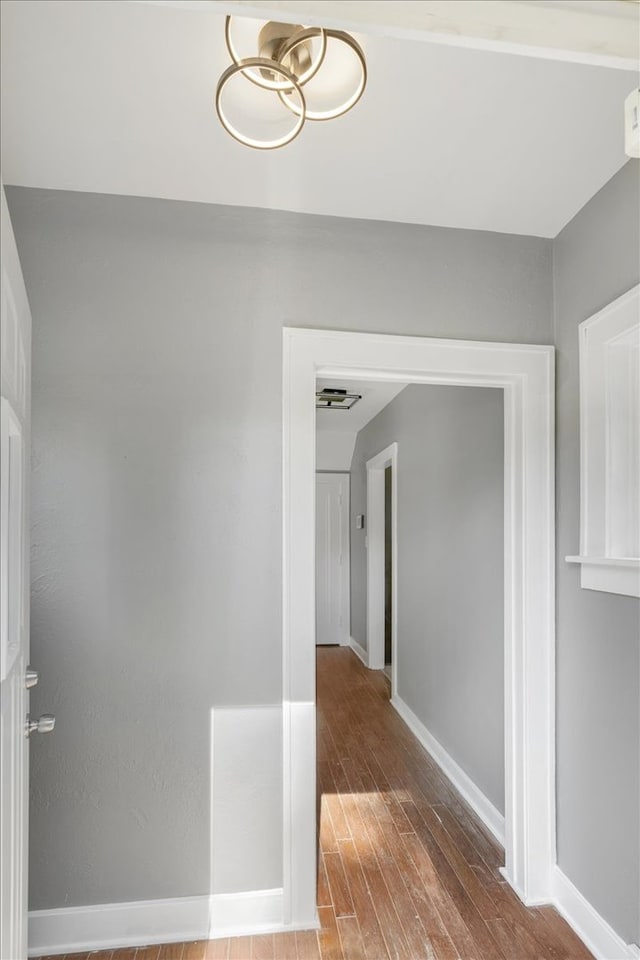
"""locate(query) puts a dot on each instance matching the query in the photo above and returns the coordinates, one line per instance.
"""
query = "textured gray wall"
(596, 258)
(450, 566)
(156, 491)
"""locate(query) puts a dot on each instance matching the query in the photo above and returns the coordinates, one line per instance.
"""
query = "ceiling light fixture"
(334, 399)
(286, 61)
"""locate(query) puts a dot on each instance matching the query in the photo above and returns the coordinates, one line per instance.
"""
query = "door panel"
(332, 558)
(15, 336)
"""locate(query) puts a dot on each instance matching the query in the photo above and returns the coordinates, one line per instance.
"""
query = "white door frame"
(526, 374)
(375, 538)
(15, 414)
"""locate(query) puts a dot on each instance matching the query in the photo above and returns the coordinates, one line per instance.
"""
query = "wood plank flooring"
(406, 870)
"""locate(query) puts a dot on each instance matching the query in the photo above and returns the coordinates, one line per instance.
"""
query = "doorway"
(525, 373)
(382, 561)
(388, 570)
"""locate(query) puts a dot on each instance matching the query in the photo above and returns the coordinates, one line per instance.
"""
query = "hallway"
(411, 872)
(406, 870)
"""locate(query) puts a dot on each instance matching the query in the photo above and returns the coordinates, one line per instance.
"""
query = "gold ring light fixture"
(286, 61)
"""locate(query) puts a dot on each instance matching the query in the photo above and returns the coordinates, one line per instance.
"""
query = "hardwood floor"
(406, 870)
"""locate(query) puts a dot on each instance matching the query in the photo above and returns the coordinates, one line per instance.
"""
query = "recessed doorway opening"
(388, 569)
(525, 374)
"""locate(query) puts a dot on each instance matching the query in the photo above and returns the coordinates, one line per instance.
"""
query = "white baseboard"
(359, 651)
(593, 930)
(492, 818)
(100, 926)
(111, 925)
(235, 914)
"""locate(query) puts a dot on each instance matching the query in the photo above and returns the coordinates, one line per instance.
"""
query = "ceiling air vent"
(335, 399)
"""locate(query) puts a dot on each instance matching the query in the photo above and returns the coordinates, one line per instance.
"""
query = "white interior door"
(15, 332)
(332, 558)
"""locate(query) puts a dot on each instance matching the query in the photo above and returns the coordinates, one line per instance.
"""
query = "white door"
(332, 558)
(15, 333)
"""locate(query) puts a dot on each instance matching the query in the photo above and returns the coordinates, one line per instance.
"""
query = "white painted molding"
(110, 925)
(359, 651)
(237, 914)
(299, 799)
(609, 574)
(631, 562)
(12, 491)
(603, 35)
(593, 930)
(526, 374)
(490, 816)
(609, 343)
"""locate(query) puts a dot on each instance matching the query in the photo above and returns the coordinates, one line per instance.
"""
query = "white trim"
(299, 798)
(15, 387)
(11, 538)
(631, 562)
(561, 32)
(609, 574)
(359, 651)
(111, 925)
(609, 343)
(375, 540)
(593, 930)
(106, 925)
(239, 914)
(480, 804)
(526, 374)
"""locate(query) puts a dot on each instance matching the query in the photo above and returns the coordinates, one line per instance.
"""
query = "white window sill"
(609, 574)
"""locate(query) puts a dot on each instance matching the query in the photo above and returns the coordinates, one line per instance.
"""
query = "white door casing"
(526, 374)
(332, 558)
(375, 521)
(15, 323)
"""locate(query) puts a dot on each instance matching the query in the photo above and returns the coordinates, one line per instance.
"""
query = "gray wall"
(596, 258)
(450, 657)
(156, 493)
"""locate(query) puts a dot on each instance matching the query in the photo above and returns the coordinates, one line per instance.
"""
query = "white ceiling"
(117, 98)
(583, 31)
(376, 394)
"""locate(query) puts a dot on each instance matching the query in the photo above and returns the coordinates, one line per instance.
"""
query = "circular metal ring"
(262, 63)
(302, 36)
(353, 45)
